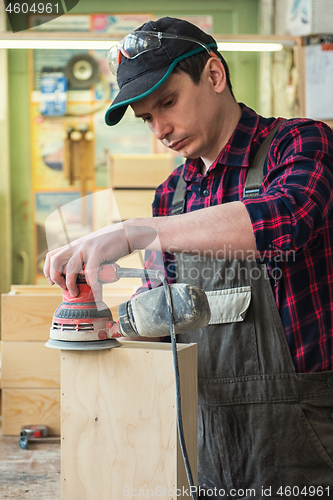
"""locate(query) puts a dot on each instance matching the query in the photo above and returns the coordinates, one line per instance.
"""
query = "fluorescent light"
(249, 46)
(87, 41)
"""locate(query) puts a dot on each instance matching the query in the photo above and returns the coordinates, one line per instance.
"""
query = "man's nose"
(162, 128)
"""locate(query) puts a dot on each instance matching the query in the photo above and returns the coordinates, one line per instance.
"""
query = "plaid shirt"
(291, 218)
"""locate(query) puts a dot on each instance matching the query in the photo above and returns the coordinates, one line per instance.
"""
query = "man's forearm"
(222, 231)
(217, 229)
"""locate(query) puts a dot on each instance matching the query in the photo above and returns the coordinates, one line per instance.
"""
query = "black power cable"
(177, 384)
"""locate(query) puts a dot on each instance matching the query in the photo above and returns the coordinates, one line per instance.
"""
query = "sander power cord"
(166, 287)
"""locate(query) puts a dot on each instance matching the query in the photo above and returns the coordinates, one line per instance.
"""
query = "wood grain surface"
(29, 407)
(140, 171)
(119, 431)
(29, 365)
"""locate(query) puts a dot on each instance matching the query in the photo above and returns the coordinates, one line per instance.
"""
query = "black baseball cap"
(137, 78)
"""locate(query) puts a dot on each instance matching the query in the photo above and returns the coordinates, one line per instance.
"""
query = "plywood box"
(27, 317)
(28, 407)
(140, 171)
(133, 203)
(133, 179)
(29, 365)
(118, 421)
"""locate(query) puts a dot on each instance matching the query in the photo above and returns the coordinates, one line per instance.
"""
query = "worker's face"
(182, 115)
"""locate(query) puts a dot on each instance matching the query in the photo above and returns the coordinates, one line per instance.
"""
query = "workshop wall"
(234, 16)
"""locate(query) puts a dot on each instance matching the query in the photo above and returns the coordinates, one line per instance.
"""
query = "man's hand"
(106, 245)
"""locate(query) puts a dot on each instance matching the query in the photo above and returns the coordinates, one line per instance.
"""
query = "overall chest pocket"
(229, 305)
(227, 347)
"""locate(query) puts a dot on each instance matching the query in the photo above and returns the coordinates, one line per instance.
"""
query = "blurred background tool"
(35, 433)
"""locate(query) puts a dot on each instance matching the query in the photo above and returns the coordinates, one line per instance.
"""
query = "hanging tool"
(78, 162)
(83, 72)
(83, 128)
(84, 321)
(68, 173)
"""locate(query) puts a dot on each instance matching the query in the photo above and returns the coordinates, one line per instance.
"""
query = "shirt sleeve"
(296, 196)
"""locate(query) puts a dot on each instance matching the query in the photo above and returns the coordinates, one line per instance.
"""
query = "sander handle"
(110, 272)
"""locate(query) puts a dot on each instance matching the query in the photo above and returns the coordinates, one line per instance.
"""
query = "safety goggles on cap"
(138, 42)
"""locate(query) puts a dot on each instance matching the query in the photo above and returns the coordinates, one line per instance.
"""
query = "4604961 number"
(35, 8)
(306, 491)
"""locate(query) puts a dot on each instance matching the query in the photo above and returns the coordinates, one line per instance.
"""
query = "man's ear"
(216, 73)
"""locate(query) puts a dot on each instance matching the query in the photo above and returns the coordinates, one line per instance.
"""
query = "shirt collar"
(236, 153)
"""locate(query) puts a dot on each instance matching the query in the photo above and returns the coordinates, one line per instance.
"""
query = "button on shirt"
(292, 221)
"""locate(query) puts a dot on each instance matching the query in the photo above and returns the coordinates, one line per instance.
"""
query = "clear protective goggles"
(139, 42)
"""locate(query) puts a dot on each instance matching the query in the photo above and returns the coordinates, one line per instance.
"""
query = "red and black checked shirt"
(292, 220)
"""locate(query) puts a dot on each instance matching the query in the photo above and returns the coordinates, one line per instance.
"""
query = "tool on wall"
(85, 322)
(78, 161)
(82, 72)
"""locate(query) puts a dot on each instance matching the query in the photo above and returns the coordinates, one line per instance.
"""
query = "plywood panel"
(133, 203)
(27, 317)
(119, 420)
(29, 407)
(140, 171)
(29, 364)
(36, 289)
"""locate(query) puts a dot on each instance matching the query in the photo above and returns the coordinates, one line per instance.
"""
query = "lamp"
(93, 41)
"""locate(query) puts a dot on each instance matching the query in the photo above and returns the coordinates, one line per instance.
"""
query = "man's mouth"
(176, 145)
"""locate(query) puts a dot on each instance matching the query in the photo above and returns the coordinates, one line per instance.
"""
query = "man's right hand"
(106, 245)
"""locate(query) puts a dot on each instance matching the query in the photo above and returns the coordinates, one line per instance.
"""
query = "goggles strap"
(120, 56)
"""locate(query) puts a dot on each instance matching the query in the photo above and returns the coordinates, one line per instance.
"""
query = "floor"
(29, 474)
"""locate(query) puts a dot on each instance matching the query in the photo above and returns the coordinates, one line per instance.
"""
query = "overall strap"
(179, 196)
(255, 174)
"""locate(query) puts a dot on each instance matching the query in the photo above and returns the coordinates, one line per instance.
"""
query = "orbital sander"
(85, 322)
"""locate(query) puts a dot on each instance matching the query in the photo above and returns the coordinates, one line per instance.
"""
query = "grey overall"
(263, 429)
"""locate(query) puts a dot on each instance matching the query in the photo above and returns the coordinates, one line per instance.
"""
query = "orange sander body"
(86, 317)
(85, 322)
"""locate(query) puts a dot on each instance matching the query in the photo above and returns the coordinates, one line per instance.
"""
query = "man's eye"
(169, 102)
(146, 118)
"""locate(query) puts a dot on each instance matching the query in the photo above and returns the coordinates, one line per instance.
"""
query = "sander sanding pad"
(94, 345)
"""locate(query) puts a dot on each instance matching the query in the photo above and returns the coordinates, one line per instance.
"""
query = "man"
(265, 262)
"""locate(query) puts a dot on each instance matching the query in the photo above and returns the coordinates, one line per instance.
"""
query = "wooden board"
(29, 364)
(140, 171)
(27, 317)
(133, 203)
(119, 420)
(36, 289)
(28, 407)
